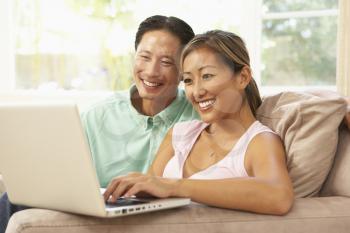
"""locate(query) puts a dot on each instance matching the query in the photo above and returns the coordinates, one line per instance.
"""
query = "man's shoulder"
(115, 101)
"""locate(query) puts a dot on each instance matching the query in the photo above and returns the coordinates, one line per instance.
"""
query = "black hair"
(176, 26)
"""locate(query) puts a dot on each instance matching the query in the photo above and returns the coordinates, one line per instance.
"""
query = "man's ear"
(245, 76)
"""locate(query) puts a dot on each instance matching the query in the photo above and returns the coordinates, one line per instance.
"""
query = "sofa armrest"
(321, 214)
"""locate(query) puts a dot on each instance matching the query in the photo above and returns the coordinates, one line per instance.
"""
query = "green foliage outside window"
(299, 51)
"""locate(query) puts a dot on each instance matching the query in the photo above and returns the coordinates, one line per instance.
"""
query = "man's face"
(156, 73)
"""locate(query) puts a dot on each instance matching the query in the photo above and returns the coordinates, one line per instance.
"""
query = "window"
(88, 45)
(299, 43)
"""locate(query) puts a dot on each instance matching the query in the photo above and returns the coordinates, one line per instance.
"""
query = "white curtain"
(343, 53)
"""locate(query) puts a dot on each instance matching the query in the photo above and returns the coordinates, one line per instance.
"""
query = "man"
(125, 130)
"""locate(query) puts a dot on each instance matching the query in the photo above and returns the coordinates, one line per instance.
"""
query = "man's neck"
(150, 107)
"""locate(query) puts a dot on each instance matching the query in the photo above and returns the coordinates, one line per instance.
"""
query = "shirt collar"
(168, 115)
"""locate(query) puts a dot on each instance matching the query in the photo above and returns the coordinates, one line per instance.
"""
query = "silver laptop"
(45, 162)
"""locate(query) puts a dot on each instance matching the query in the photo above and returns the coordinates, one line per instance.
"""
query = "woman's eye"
(207, 76)
(187, 81)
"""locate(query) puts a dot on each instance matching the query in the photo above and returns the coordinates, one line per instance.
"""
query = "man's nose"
(153, 68)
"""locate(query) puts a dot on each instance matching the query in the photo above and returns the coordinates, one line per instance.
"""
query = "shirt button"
(150, 122)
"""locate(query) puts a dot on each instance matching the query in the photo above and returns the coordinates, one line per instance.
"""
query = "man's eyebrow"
(168, 57)
(163, 56)
(144, 51)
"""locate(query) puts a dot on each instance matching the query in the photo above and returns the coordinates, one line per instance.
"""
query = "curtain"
(343, 53)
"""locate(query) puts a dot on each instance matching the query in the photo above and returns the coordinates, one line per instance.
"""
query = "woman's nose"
(198, 91)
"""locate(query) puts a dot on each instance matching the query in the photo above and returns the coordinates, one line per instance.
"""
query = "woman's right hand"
(136, 183)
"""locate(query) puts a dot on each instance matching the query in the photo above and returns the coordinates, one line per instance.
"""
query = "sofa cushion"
(338, 181)
(308, 125)
(321, 215)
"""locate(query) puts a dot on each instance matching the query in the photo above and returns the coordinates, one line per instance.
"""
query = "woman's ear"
(244, 77)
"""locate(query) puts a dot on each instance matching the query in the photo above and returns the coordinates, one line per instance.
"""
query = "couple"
(231, 159)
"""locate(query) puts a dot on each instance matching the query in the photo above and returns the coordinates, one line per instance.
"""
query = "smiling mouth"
(151, 84)
(204, 105)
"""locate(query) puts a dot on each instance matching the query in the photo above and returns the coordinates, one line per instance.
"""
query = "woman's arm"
(267, 190)
(164, 154)
(119, 185)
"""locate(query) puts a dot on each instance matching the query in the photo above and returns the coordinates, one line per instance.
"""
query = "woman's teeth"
(151, 84)
(206, 104)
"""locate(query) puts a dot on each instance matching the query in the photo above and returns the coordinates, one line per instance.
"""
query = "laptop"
(45, 161)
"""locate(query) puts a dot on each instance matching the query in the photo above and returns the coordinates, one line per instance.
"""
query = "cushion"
(338, 181)
(308, 126)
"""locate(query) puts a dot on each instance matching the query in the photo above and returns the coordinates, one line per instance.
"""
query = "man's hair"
(176, 26)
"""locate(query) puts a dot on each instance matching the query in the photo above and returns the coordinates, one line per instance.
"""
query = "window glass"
(276, 6)
(299, 51)
(89, 45)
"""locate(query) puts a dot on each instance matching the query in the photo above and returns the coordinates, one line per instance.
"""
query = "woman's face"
(211, 86)
(156, 73)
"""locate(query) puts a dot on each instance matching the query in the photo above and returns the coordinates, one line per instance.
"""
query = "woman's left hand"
(135, 183)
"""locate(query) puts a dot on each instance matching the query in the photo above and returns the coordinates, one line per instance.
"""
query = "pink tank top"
(185, 135)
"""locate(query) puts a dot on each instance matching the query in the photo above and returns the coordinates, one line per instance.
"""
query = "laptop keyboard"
(126, 201)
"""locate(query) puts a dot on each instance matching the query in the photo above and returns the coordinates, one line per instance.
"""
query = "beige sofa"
(330, 212)
(326, 211)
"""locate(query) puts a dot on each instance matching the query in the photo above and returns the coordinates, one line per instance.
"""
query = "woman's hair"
(176, 26)
(231, 49)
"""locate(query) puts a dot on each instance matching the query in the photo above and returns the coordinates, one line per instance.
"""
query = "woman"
(228, 159)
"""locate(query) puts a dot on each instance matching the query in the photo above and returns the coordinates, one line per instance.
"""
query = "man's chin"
(144, 94)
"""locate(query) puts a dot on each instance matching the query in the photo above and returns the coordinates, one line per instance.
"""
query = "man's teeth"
(206, 104)
(151, 84)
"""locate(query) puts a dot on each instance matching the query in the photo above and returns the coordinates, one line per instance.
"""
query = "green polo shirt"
(123, 140)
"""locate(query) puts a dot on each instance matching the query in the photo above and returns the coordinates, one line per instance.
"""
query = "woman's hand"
(136, 183)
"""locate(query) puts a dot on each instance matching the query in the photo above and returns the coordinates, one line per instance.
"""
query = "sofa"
(324, 207)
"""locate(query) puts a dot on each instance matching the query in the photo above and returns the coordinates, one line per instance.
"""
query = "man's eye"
(167, 63)
(144, 57)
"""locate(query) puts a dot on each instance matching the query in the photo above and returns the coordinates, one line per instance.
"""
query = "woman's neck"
(234, 125)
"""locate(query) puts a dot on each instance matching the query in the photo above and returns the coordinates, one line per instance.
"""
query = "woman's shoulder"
(188, 126)
(258, 128)
(186, 131)
(260, 135)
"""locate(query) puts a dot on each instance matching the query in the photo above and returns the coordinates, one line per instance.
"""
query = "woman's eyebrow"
(207, 66)
(201, 68)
